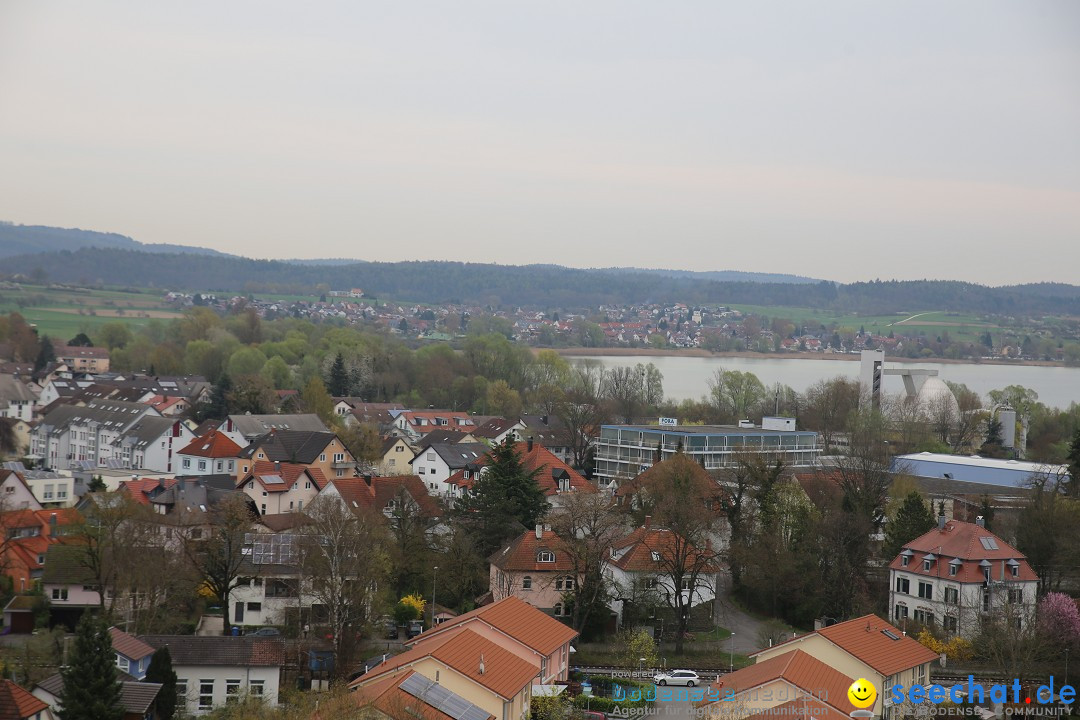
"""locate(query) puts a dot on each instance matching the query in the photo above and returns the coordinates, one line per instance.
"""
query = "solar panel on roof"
(890, 634)
(439, 697)
(988, 543)
(273, 480)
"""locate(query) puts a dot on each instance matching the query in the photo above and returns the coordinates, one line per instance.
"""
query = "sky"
(855, 140)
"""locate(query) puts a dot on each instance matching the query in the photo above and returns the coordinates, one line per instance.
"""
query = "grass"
(931, 323)
(56, 311)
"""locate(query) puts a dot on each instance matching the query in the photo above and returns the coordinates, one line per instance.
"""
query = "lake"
(685, 376)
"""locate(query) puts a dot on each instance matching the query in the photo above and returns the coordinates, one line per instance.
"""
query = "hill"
(543, 286)
(29, 239)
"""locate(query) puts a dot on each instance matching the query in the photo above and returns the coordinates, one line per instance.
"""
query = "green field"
(65, 312)
(960, 326)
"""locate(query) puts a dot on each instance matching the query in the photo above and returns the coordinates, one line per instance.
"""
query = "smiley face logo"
(862, 693)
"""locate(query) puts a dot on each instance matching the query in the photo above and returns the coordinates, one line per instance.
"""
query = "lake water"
(685, 376)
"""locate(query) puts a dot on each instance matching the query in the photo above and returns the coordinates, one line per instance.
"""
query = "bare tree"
(343, 554)
(580, 408)
(828, 404)
(215, 547)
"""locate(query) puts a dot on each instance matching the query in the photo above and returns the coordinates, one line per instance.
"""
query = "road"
(744, 626)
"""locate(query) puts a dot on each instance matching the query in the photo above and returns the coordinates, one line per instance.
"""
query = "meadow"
(63, 312)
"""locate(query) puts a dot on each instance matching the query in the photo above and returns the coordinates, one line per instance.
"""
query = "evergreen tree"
(91, 687)
(505, 499)
(913, 519)
(992, 446)
(218, 407)
(46, 353)
(338, 383)
(1073, 459)
(987, 512)
(81, 340)
(97, 484)
(161, 671)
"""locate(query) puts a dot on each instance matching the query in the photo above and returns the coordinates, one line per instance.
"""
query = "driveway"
(744, 626)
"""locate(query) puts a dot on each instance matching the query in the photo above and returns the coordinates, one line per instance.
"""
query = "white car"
(689, 678)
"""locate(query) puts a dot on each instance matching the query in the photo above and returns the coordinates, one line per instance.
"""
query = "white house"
(956, 575)
(214, 670)
(15, 494)
(70, 434)
(414, 424)
(16, 398)
(438, 462)
(215, 453)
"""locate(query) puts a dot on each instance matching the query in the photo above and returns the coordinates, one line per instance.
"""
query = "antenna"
(481, 663)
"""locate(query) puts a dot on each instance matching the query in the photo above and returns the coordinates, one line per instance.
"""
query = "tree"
(315, 399)
(503, 400)
(80, 340)
(1073, 459)
(363, 441)
(46, 354)
(579, 408)
(505, 499)
(218, 407)
(97, 484)
(337, 384)
(343, 553)
(250, 394)
(633, 645)
(734, 394)
(992, 445)
(214, 546)
(92, 690)
(161, 671)
(912, 520)
(828, 404)
(1059, 620)
(1048, 531)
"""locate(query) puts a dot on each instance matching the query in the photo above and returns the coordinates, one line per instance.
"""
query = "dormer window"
(655, 556)
(903, 560)
(926, 565)
(545, 556)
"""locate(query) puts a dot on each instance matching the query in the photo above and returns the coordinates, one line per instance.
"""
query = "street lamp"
(434, 575)
(731, 654)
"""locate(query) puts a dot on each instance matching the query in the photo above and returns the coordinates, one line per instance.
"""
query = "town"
(304, 514)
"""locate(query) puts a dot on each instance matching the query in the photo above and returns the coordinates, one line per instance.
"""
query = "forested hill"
(28, 239)
(544, 286)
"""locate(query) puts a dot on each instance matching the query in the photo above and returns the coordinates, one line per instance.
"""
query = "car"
(689, 678)
(267, 632)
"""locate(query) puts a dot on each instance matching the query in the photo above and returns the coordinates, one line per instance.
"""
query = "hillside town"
(554, 537)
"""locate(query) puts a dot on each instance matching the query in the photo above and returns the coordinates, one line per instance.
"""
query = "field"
(916, 322)
(64, 312)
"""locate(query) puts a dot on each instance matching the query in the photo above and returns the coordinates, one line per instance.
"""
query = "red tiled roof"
(963, 541)
(515, 617)
(538, 458)
(213, 444)
(801, 709)
(357, 493)
(289, 472)
(17, 703)
(387, 696)
(128, 645)
(505, 674)
(797, 668)
(645, 540)
(520, 553)
(864, 638)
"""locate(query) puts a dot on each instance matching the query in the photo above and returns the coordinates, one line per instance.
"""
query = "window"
(220, 466)
(59, 594)
(526, 583)
(254, 607)
(1016, 596)
(232, 690)
(431, 456)
(924, 616)
(686, 583)
(339, 457)
(202, 464)
(206, 694)
(950, 623)
(926, 590)
(545, 556)
(322, 457)
(903, 585)
(903, 560)
(655, 556)
(926, 565)
(181, 692)
(558, 609)
(900, 612)
(122, 663)
(187, 463)
(953, 567)
(920, 674)
(952, 595)
(1015, 570)
(255, 688)
(986, 600)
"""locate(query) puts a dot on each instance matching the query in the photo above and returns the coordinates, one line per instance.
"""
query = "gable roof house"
(554, 477)
(469, 664)
(498, 429)
(396, 454)
(83, 359)
(320, 450)
(137, 698)
(519, 627)
(245, 428)
(437, 463)
(385, 494)
(30, 533)
(413, 424)
(18, 704)
(865, 647)
(132, 654)
(16, 398)
(208, 454)
(411, 696)
(281, 487)
(212, 670)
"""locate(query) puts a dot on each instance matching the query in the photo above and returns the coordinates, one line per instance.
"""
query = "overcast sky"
(845, 140)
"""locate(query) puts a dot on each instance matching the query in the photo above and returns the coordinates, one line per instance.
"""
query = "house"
(474, 666)
(381, 415)
(396, 455)
(554, 477)
(640, 565)
(866, 647)
(412, 696)
(169, 406)
(132, 654)
(50, 489)
(445, 437)
(386, 494)
(319, 450)
(245, 428)
(436, 464)
(209, 454)
(18, 704)
(137, 698)
(536, 567)
(517, 626)
(29, 534)
(16, 398)
(15, 494)
(68, 584)
(19, 614)
(767, 687)
(552, 433)
(958, 574)
(83, 359)
(281, 487)
(213, 670)
(413, 424)
(497, 430)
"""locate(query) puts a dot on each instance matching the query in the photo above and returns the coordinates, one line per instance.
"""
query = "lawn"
(916, 322)
(65, 312)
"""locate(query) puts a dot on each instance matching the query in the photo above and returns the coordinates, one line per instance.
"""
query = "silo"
(1007, 418)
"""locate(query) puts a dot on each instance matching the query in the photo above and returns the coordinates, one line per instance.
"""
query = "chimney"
(481, 663)
(648, 521)
(980, 521)
(539, 532)
(941, 523)
(367, 479)
(530, 444)
(277, 466)
(544, 419)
